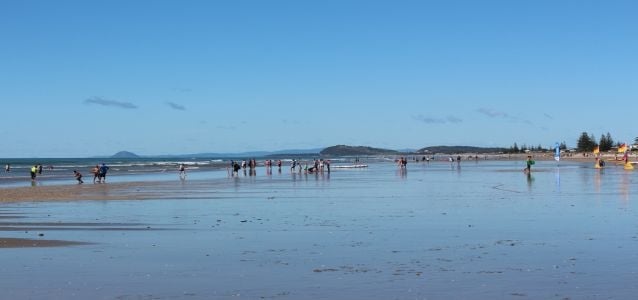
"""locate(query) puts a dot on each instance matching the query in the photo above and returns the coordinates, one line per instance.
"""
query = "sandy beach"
(481, 230)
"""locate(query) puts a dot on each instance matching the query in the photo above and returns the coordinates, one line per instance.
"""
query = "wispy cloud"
(175, 106)
(495, 114)
(432, 120)
(453, 119)
(112, 103)
(492, 113)
(548, 116)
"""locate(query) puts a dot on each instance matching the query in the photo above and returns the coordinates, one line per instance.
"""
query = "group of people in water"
(99, 171)
(35, 171)
(318, 165)
(99, 174)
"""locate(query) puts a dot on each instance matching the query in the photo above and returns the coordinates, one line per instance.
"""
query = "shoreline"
(163, 188)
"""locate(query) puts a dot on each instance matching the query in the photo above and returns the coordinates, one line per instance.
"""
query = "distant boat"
(349, 166)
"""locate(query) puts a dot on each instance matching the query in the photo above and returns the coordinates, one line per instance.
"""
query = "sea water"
(478, 230)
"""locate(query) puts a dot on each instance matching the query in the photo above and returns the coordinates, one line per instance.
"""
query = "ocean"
(57, 171)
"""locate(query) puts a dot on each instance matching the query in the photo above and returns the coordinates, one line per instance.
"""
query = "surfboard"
(349, 167)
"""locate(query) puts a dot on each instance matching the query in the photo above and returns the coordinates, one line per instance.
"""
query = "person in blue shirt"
(102, 173)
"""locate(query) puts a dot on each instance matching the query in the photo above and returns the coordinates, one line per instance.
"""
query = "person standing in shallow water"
(102, 173)
(34, 171)
(529, 162)
(78, 176)
(182, 171)
(96, 173)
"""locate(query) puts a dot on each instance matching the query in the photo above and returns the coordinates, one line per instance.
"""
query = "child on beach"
(78, 176)
(96, 173)
(182, 171)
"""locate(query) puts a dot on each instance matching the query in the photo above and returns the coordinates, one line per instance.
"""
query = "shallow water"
(437, 231)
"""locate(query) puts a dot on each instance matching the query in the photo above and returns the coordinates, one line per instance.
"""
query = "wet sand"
(434, 232)
(108, 191)
(25, 243)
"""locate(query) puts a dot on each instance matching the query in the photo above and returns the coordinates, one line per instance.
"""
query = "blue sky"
(83, 78)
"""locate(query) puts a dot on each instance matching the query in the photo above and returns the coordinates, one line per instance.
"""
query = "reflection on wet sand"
(624, 186)
(530, 180)
(10, 223)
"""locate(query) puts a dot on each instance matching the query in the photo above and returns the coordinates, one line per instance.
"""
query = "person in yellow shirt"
(34, 171)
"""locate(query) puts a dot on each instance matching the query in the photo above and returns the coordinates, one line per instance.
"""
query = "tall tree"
(606, 142)
(585, 142)
(515, 148)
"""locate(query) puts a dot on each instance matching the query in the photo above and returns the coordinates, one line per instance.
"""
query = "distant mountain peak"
(125, 154)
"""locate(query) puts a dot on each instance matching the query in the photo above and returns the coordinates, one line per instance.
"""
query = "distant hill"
(125, 154)
(459, 149)
(344, 150)
(338, 150)
(252, 154)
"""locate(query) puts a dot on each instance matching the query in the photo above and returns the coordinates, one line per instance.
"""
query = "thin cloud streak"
(492, 113)
(112, 103)
(175, 106)
(453, 119)
(431, 120)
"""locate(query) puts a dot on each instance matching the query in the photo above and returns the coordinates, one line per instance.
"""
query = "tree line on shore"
(586, 143)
